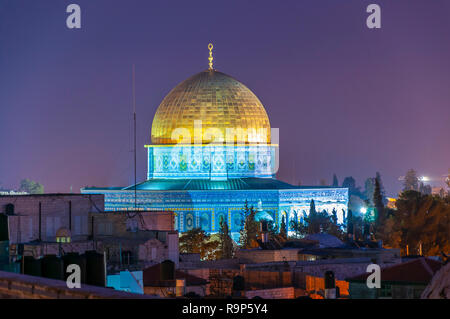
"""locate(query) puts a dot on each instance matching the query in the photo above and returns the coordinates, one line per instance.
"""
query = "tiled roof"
(419, 271)
(249, 183)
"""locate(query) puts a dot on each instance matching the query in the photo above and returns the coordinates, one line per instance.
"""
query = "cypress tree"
(335, 181)
(378, 203)
(226, 243)
(283, 227)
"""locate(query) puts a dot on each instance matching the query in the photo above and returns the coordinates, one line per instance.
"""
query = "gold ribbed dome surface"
(220, 102)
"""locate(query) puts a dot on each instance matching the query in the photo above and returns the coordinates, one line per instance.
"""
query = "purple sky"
(348, 100)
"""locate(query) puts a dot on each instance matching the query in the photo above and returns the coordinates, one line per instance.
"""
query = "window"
(108, 228)
(80, 226)
(101, 229)
(51, 225)
(77, 226)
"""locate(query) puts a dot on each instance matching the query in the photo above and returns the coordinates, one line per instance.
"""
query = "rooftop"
(250, 183)
(325, 240)
(152, 275)
(417, 271)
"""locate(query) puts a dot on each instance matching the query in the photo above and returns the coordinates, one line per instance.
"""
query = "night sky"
(348, 100)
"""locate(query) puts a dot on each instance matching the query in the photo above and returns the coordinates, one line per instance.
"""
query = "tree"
(358, 225)
(243, 231)
(350, 183)
(312, 207)
(411, 182)
(226, 243)
(378, 203)
(350, 229)
(420, 220)
(31, 187)
(355, 203)
(314, 221)
(333, 226)
(283, 227)
(197, 241)
(425, 189)
(335, 181)
(447, 179)
(249, 227)
(382, 190)
(272, 228)
(295, 226)
(369, 187)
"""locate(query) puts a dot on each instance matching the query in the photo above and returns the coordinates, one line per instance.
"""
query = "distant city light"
(424, 179)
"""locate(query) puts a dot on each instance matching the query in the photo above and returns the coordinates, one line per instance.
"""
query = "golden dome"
(224, 107)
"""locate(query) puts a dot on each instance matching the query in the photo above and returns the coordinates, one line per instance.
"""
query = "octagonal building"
(211, 152)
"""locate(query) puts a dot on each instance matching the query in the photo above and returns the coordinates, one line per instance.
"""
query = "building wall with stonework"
(274, 293)
(147, 237)
(121, 223)
(342, 268)
(40, 216)
(264, 256)
(38, 250)
(171, 292)
(260, 279)
(17, 286)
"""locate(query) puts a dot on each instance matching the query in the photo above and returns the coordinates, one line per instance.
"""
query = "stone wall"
(255, 279)
(149, 236)
(342, 268)
(170, 292)
(276, 293)
(120, 223)
(317, 285)
(264, 256)
(17, 286)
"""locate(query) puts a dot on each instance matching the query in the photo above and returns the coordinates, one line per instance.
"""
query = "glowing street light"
(363, 210)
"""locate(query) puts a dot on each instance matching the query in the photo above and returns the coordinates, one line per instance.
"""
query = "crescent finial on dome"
(210, 47)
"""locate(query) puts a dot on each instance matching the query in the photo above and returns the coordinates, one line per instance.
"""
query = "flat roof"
(50, 195)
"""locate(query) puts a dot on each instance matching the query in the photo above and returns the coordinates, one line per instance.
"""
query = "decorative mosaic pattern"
(210, 205)
(211, 161)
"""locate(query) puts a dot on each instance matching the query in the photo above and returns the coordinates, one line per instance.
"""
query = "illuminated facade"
(211, 152)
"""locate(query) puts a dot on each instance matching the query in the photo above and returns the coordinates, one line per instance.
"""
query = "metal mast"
(134, 118)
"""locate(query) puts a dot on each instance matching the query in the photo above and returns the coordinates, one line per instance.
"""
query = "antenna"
(135, 173)
(134, 118)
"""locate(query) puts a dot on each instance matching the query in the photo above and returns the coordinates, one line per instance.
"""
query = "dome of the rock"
(211, 155)
(211, 107)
